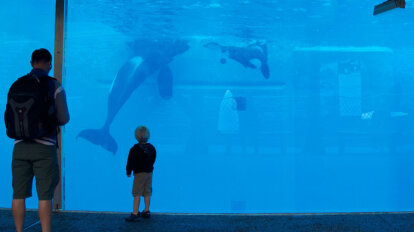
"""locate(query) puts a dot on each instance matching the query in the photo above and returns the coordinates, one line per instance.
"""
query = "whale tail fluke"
(100, 137)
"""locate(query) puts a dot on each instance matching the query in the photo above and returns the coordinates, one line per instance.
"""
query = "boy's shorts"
(34, 160)
(142, 184)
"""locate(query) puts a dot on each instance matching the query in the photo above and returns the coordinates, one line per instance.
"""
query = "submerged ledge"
(344, 49)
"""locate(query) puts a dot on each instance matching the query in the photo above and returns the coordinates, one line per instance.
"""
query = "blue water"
(330, 130)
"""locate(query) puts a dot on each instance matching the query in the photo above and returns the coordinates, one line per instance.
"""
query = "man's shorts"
(38, 160)
(142, 184)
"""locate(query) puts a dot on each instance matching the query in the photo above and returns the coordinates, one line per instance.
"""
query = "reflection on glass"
(24, 26)
(254, 107)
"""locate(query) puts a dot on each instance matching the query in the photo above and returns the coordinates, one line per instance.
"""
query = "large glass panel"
(253, 106)
(24, 26)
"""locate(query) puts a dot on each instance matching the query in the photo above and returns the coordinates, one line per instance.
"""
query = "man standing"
(36, 107)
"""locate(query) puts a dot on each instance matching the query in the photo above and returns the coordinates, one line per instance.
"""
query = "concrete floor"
(83, 221)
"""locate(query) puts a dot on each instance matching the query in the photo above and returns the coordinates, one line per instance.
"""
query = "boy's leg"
(137, 190)
(147, 203)
(45, 214)
(18, 208)
(136, 205)
(147, 191)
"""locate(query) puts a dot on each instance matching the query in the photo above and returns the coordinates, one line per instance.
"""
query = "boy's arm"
(130, 162)
(154, 157)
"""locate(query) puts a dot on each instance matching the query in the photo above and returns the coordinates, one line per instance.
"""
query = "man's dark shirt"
(141, 158)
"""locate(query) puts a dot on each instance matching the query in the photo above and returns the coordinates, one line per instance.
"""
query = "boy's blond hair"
(142, 134)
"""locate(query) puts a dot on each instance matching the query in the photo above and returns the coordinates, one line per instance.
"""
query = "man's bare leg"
(45, 215)
(18, 208)
(136, 205)
(147, 203)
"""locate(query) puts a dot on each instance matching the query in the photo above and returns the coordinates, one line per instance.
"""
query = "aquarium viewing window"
(253, 106)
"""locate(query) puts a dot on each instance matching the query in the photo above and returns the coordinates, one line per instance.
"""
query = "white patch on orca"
(134, 63)
(260, 49)
(228, 121)
(256, 62)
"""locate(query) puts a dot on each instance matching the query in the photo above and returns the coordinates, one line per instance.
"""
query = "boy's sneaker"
(145, 214)
(132, 218)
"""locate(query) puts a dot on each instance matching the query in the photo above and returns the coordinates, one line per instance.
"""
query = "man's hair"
(40, 55)
(142, 134)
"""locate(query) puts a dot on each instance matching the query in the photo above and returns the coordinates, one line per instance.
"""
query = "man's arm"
(61, 106)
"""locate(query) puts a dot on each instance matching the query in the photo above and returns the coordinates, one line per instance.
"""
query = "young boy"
(141, 161)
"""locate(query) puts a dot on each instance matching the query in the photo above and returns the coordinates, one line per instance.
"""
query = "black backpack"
(30, 108)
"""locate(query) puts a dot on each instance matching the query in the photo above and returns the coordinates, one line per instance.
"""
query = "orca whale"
(151, 57)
